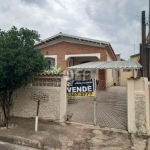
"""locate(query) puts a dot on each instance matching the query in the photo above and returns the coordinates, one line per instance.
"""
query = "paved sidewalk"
(66, 136)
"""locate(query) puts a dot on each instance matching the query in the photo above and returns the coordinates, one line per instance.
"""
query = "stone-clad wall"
(54, 108)
(25, 107)
(138, 106)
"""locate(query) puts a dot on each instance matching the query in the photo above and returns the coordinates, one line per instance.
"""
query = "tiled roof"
(108, 65)
(71, 36)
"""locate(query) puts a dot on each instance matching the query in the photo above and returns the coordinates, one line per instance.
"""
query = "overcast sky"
(114, 21)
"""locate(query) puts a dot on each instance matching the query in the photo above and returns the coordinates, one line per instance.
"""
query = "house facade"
(122, 74)
(67, 50)
(135, 57)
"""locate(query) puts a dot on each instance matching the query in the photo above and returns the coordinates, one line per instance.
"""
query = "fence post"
(130, 105)
(95, 102)
(63, 99)
(138, 106)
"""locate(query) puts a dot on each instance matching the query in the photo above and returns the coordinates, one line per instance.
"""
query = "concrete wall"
(138, 106)
(54, 108)
(124, 76)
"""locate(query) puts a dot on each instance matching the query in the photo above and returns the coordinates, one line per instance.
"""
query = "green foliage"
(54, 70)
(19, 59)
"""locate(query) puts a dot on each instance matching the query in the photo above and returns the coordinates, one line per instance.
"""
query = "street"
(8, 146)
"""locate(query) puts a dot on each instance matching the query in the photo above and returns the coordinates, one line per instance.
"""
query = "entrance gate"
(111, 108)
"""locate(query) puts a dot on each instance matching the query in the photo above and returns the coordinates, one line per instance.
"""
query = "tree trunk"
(6, 104)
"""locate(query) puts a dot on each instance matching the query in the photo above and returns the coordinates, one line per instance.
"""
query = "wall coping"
(50, 75)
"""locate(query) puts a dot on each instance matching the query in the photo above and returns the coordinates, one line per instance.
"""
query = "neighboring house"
(119, 57)
(124, 74)
(121, 75)
(135, 57)
(67, 50)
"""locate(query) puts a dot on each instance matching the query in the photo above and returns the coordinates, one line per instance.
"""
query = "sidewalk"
(66, 136)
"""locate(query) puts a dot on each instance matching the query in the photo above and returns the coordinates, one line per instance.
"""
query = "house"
(68, 50)
(135, 57)
(121, 75)
(124, 74)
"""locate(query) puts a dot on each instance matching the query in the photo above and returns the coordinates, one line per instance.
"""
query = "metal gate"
(81, 110)
(111, 108)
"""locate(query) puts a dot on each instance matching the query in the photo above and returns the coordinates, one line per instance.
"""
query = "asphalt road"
(8, 146)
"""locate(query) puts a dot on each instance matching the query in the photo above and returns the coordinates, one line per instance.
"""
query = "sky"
(114, 21)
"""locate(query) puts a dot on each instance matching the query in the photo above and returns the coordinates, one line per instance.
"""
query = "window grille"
(49, 82)
(51, 62)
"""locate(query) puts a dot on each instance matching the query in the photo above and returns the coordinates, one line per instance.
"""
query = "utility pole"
(141, 61)
(143, 51)
(148, 48)
(149, 18)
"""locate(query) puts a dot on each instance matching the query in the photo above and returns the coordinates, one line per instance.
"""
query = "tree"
(20, 61)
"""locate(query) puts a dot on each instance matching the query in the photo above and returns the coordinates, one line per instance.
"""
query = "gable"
(69, 40)
(110, 54)
(59, 38)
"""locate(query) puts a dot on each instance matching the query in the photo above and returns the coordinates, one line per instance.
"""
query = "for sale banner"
(80, 88)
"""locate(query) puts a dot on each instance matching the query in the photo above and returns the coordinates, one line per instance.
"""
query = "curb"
(23, 141)
(99, 127)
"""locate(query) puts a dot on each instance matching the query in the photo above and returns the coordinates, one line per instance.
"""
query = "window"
(83, 75)
(70, 62)
(126, 70)
(51, 62)
(87, 74)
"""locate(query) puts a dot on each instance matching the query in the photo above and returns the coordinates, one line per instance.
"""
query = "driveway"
(111, 108)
